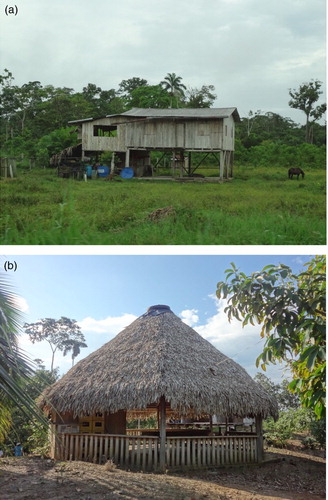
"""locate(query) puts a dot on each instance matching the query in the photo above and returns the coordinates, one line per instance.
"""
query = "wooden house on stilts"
(133, 135)
(158, 365)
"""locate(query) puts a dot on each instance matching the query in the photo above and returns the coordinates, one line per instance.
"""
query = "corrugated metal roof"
(83, 120)
(181, 113)
(184, 113)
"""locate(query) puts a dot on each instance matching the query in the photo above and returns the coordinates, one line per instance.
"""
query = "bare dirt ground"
(287, 474)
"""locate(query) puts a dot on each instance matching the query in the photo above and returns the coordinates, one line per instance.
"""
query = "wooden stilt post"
(259, 438)
(189, 163)
(127, 158)
(162, 433)
(221, 164)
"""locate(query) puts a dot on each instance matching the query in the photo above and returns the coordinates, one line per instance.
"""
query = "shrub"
(38, 439)
(269, 154)
(277, 433)
(289, 422)
(318, 431)
(309, 442)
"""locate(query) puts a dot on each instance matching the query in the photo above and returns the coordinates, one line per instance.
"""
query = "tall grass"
(260, 206)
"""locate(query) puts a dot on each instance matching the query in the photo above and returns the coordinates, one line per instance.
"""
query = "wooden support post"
(127, 158)
(162, 433)
(173, 165)
(221, 167)
(259, 438)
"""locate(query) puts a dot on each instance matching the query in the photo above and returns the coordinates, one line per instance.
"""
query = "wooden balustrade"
(126, 451)
(210, 451)
(142, 452)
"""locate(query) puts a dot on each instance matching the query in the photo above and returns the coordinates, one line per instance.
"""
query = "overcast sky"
(105, 293)
(252, 51)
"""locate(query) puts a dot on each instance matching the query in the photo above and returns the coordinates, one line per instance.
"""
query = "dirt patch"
(161, 213)
(285, 475)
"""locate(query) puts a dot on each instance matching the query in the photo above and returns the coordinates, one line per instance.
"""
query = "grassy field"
(260, 206)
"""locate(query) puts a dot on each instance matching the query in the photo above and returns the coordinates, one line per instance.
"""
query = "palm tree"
(172, 83)
(74, 346)
(15, 366)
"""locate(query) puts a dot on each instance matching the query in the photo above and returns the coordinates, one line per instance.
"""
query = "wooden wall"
(164, 134)
(161, 134)
(90, 142)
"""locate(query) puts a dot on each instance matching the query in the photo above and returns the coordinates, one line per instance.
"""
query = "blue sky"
(252, 51)
(105, 293)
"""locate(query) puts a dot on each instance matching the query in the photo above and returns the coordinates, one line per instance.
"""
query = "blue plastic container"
(103, 171)
(89, 170)
(127, 173)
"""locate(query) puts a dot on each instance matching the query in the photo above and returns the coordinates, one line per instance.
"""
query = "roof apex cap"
(157, 309)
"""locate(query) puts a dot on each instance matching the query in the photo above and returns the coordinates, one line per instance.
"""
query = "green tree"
(15, 368)
(55, 142)
(63, 334)
(110, 103)
(200, 98)
(126, 87)
(91, 91)
(285, 398)
(172, 83)
(7, 103)
(74, 346)
(150, 96)
(258, 127)
(29, 431)
(304, 99)
(291, 310)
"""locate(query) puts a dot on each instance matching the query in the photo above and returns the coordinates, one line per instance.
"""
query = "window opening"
(105, 130)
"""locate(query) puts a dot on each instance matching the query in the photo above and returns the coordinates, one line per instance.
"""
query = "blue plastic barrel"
(89, 170)
(103, 171)
(127, 173)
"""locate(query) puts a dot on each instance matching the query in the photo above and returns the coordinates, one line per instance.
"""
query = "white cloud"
(110, 325)
(243, 345)
(190, 316)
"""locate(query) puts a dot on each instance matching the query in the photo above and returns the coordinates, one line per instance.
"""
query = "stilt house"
(134, 134)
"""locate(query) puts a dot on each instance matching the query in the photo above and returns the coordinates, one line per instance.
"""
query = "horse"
(295, 171)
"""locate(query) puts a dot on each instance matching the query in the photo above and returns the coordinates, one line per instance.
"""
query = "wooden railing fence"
(126, 451)
(142, 452)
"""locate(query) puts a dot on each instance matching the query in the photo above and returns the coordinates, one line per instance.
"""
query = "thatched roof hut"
(159, 356)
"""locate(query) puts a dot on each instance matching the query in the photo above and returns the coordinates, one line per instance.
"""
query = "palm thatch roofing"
(159, 355)
(67, 153)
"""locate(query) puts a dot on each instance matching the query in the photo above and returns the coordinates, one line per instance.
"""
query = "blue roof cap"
(156, 310)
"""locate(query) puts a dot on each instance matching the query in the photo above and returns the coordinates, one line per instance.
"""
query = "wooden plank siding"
(143, 452)
(189, 135)
(189, 129)
(91, 142)
(211, 135)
